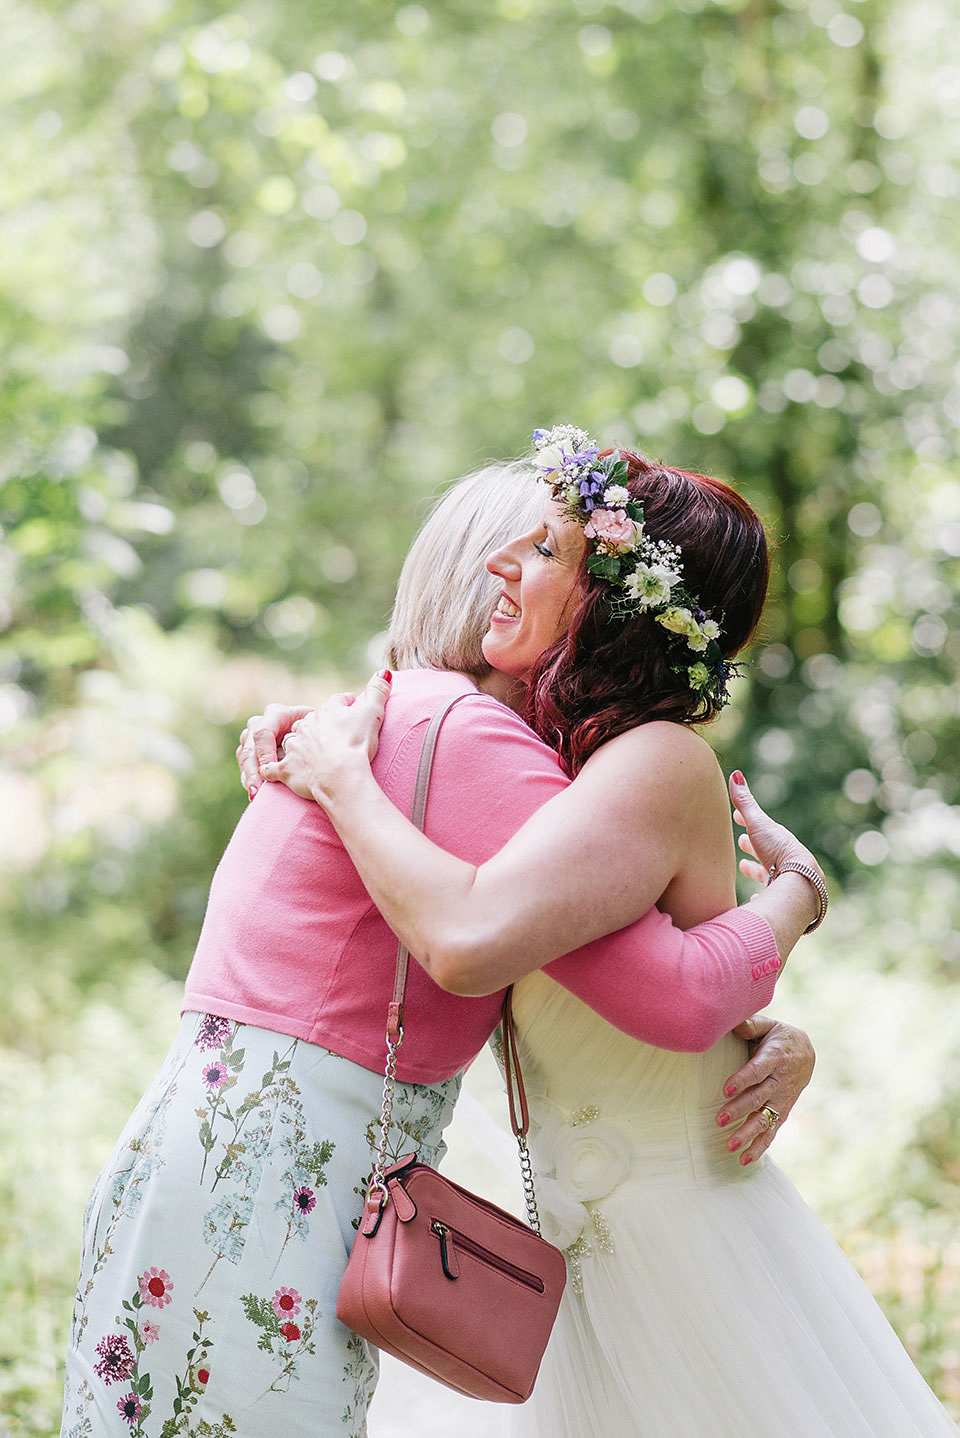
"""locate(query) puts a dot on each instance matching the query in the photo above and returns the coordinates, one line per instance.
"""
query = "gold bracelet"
(807, 873)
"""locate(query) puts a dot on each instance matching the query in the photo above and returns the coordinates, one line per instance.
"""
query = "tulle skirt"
(704, 1299)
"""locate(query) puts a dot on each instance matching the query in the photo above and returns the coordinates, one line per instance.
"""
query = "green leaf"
(606, 566)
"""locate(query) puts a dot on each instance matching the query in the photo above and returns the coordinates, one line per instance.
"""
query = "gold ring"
(773, 1118)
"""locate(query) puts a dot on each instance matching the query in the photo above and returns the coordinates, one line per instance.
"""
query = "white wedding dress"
(704, 1299)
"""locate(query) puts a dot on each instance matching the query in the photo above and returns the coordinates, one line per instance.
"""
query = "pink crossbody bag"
(437, 1276)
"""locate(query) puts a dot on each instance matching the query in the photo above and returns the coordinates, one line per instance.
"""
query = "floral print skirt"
(216, 1237)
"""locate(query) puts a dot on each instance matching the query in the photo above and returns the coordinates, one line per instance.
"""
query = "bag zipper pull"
(448, 1254)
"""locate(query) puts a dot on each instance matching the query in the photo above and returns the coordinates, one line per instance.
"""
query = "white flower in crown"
(558, 449)
(679, 621)
(615, 496)
(710, 629)
(549, 459)
(650, 585)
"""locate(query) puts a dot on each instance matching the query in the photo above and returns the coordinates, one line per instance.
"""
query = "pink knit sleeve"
(673, 989)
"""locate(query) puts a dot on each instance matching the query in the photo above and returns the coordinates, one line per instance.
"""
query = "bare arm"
(471, 925)
(634, 808)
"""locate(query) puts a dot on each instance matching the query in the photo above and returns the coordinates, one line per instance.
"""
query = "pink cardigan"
(292, 942)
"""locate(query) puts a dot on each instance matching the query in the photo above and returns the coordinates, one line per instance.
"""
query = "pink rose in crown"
(614, 528)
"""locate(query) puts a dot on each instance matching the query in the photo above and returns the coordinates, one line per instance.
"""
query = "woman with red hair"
(217, 1234)
(704, 1300)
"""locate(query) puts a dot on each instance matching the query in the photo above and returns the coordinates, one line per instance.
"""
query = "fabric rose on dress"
(614, 528)
(575, 1164)
(562, 1221)
(591, 1160)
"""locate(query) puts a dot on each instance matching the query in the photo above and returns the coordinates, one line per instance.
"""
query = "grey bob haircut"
(445, 595)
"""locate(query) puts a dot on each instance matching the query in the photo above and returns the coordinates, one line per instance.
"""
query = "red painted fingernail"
(733, 1144)
(730, 1090)
(386, 676)
(723, 1119)
(738, 777)
(747, 1158)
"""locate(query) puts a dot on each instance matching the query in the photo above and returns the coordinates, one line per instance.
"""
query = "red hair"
(608, 674)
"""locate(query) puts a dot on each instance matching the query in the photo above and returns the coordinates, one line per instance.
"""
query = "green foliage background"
(269, 278)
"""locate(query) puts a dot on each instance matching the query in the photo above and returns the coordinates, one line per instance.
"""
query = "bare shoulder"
(676, 753)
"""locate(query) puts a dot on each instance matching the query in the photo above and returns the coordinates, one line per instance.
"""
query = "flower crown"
(645, 575)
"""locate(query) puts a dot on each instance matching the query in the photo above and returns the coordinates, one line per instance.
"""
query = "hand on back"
(285, 743)
(344, 731)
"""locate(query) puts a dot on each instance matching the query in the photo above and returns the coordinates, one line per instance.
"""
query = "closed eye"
(543, 549)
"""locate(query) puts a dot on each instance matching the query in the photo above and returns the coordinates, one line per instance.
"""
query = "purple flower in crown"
(591, 487)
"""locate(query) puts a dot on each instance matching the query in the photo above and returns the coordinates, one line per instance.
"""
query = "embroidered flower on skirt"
(286, 1302)
(213, 1032)
(304, 1199)
(115, 1359)
(130, 1407)
(156, 1287)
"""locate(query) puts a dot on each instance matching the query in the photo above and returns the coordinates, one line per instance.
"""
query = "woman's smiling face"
(541, 586)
